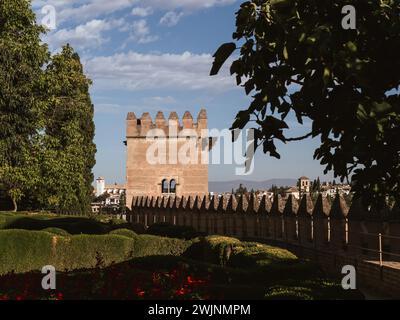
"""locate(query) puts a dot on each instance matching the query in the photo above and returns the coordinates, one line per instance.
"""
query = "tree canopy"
(22, 56)
(296, 58)
(46, 117)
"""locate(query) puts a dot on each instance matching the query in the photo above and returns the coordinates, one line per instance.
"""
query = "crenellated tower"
(166, 157)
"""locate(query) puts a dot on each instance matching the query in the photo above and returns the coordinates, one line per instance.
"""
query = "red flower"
(59, 296)
(192, 281)
(140, 293)
(182, 291)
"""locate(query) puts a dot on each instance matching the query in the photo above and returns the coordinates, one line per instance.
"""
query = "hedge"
(23, 250)
(227, 251)
(148, 245)
(57, 231)
(71, 225)
(125, 232)
(165, 229)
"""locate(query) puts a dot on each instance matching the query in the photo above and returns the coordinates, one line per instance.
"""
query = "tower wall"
(100, 186)
(145, 178)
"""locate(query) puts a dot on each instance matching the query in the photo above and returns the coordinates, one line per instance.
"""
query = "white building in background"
(100, 186)
(304, 184)
(332, 190)
(294, 191)
(112, 195)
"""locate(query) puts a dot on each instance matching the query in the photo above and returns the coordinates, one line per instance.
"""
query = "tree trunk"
(15, 205)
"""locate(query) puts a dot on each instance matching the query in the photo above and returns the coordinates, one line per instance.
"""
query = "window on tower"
(164, 186)
(172, 186)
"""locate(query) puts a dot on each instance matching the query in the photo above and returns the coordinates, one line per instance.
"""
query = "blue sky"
(150, 55)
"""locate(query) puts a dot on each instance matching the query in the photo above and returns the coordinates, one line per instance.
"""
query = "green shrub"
(124, 232)
(226, 251)
(22, 251)
(212, 249)
(250, 254)
(135, 227)
(88, 251)
(72, 225)
(7, 218)
(165, 229)
(289, 293)
(148, 245)
(57, 231)
(317, 288)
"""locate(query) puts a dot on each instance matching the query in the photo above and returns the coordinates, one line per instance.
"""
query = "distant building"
(108, 196)
(100, 186)
(294, 191)
(304, 185)
(332, 190)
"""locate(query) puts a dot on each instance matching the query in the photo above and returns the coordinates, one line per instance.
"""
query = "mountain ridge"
(226, 186)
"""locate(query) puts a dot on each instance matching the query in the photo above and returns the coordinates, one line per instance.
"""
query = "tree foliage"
(69, 151)
(46, 117)
(295, 58)
(22, 56)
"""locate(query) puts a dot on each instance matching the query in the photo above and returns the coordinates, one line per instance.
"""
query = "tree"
(122, 203)
(273, 189)
(295, 58)
(22, 57)
(102, 198)
(313, 185)
(69, 152)
(242, 190)
(318, 187)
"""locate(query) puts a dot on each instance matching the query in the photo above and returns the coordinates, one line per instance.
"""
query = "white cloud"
(83, 10)
(141, 32)
(142, 12)
(187, 4)
(136, 71)
(171, 18)
(160, 100)
(107, 108)
(88, 35)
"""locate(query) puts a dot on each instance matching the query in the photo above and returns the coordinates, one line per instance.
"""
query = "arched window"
(164, 186)
(172, 186)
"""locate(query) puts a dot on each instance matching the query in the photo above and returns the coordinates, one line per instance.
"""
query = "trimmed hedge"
(125, 232)
(23, 250)
(72, 225)
(88, 251)
(149, 245)
(317, 289)
(251, 254)
(166, 229)
(57, 231)
(227, 251)
(7, 218)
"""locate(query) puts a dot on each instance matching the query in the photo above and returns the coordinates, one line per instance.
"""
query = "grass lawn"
(108, 261)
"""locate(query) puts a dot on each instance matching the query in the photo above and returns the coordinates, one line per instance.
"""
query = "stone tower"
(166, 157)
(100, 186)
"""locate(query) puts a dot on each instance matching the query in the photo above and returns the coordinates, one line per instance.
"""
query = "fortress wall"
(331, 234)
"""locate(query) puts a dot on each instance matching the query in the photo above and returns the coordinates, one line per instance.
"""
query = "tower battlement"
(172, 175)
(140, 127)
